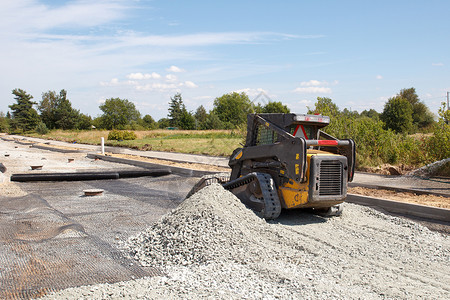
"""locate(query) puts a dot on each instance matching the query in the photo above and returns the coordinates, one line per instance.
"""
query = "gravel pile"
(210, 225)
(211, 246)
(430, 169)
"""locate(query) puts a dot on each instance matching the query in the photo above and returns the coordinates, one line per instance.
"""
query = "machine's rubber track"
(208, 180)
(262, 197)
(256, 190)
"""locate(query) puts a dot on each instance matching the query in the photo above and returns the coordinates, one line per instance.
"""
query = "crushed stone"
(211, 246)
(430, 169)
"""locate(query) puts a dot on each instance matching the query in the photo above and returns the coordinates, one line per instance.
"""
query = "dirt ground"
(430, 200)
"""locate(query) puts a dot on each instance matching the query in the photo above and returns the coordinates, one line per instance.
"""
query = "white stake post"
(103, 146)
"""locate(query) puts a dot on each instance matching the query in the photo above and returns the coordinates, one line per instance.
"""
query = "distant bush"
(121, 135)
(41, 128)
(374, 144)
(438, 145)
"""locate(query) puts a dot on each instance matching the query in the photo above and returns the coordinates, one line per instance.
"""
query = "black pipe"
(79, 176)
(141, 173)
(64, 176)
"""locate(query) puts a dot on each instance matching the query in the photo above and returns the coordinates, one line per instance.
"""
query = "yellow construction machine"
(288, 162)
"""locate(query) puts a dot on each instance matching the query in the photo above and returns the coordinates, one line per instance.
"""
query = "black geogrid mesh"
(55, 238)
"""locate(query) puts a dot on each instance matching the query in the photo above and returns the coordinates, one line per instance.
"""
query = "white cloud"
(171, 78)
(95, 41)
(305, 103)
(112, 82)
(253, 93)
(132, 82)
(379, 77)
(439, 64)
(156, 86)
(175, 69)
(312, 83)
(190, 84)
(313, 90)
(36, 16)
(140, 76)
(149, 82)
(315, 87)
(301, 106)
(136, 39)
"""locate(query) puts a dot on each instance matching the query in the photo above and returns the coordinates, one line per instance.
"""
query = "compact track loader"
(288, 162)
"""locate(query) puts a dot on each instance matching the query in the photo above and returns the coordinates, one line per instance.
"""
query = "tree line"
(386, 137)
(404, 113)
(55, 111)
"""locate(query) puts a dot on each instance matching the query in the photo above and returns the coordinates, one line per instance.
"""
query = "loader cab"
(308, 126)
(298, 125)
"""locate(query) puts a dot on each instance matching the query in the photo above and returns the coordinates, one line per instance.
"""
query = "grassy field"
(209, 142)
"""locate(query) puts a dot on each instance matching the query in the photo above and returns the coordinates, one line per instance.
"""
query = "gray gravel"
(211, 246)
(430, 169)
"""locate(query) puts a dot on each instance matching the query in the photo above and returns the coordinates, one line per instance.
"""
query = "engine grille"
(330, 178)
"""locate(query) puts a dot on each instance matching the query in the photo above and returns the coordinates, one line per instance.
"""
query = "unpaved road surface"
(211, 246)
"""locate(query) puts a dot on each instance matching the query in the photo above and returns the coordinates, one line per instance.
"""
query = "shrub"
(121, 135)
(41, 128)
(374, 144)
(397, 115)
(439, 143)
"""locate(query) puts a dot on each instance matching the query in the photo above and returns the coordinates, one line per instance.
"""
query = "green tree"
(65, 116)
(350, 114)
(163, 123)
(24, 116)
(326, 107)
(200, 117)
(176, 108)
(47, 107)
(439, 142)
(397, 115)
(186, 121)
(57, 112)
(4, 122)
(422, 117)
(213, 122)
(178, 114)
(84, 122)
(272, 107)
(41, 128)
(148, 122)
(340, 122)
(117, 113)
(371, 113)
(232, 109)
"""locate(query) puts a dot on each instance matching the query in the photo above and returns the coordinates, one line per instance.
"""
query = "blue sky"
(358, 53)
